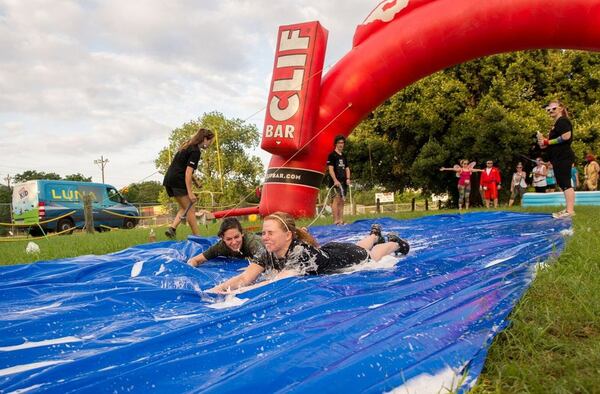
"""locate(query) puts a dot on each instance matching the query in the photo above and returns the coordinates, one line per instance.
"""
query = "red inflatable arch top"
(402, 41)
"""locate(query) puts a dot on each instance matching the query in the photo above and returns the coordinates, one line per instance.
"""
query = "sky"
(81, 80)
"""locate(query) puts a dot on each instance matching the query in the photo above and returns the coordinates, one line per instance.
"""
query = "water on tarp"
(138, 320)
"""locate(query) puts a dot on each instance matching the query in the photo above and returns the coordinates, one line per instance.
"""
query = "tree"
(143, 192)
(487, 108)
(5, 200)
(31, 175)
(78, 177)
(240, 172)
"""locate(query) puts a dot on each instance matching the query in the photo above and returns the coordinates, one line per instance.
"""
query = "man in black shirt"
(338, 169)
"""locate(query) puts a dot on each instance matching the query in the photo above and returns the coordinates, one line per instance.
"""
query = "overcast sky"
(81, 79)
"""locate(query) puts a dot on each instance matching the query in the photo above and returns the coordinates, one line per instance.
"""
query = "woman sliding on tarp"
(234, 243)
(290, 251)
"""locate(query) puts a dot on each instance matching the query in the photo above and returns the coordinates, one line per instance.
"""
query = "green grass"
(553, 343)
(551, 346)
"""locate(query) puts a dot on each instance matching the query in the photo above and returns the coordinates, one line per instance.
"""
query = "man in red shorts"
(489, 184)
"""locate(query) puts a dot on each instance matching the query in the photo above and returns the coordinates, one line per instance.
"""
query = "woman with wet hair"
(180, 175)
(558, 145)
(290, 251)
(234, 243)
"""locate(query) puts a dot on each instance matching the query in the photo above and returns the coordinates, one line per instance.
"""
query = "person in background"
(234, 242)
(463, 173)
(290, 251)
(574, 177)
(539, 176)
(550, 178)
(518, 185)
(338, 169)
(489, 184)
(180, 176)
(558, 145)
(590, 172)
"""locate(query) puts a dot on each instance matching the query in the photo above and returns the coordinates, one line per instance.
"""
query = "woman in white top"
(518, 185)
(539, 176)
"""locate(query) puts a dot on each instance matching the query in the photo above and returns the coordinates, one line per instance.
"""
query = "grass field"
(552, 345)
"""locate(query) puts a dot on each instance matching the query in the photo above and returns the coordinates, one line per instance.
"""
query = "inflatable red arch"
(402, 41)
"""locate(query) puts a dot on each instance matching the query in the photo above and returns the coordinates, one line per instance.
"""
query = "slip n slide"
(138, 319)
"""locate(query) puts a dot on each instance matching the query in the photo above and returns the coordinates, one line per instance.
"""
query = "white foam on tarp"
(497, 261)
(137, 268)
(385, 263)
(568, 232)
(28, 389)
(41, 308)
(28, 367)
(230, 301)
(47, 342)
(160, 270)
(444, 381)
(176, 317)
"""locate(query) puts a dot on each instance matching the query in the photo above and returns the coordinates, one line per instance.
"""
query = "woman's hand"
(193, 262)
(192, 197)
(217, 290)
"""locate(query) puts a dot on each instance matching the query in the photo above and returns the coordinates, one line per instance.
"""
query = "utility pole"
(102, 162)
(8, 178)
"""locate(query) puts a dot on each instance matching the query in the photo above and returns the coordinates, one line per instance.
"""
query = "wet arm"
(246, 278)
(197, 260)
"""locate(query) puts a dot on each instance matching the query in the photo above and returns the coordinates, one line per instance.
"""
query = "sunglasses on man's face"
(551, 109)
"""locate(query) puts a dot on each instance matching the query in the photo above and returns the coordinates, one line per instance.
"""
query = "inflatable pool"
(558, 199)
(138, 321)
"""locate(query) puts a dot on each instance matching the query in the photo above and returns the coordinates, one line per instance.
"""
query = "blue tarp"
(137, 321)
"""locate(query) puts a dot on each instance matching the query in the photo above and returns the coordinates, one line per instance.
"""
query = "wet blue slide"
(138, 321)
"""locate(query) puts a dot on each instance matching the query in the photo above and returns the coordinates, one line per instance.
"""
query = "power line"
(102, 162)
(8, 178)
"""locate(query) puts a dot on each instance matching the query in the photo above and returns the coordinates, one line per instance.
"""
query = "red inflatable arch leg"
(403, 41)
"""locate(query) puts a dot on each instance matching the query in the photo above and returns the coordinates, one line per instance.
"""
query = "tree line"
(488, 108)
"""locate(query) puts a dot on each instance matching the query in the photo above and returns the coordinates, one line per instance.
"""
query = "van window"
(95, 191)
(113, 195)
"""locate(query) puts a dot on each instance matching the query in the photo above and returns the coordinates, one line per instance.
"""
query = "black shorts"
(175, 191)
(337, 192)
(562, 173)
(341, 255)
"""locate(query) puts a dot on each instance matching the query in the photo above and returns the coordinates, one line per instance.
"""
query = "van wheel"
(64, 225)
(129, 224)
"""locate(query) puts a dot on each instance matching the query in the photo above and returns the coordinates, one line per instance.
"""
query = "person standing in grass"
(338, 169)
(539, 176)
(180, 175)
(463, 173)
(558, 145)
(591, 171)
(550, 178)
(489, 184)
(518, 185)
(574, 177)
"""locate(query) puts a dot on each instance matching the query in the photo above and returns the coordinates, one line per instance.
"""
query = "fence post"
(412, 204)
(426, 204)
(439, 204)
(88, 213)
(378, 206)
